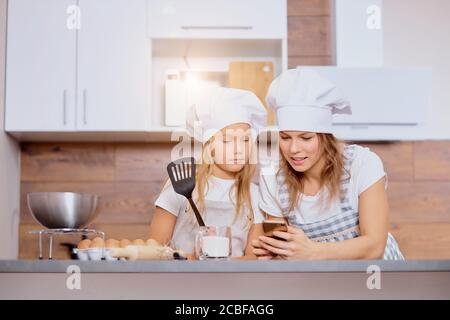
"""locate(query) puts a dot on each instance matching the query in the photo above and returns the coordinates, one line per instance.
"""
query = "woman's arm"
(373, 223)
(163, 223)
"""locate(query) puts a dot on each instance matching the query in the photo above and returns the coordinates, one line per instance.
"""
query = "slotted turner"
(182, 175)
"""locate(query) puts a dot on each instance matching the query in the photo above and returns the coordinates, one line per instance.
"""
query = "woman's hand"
(259, 252)
(296, 245)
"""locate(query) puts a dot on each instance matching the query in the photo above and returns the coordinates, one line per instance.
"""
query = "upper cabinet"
(114, 66)
(359, 33)
(41, 67)
(232, 19)
(77, 66)
(389, 103)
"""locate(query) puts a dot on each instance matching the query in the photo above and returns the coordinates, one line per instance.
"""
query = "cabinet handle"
(84, 106)
(216, 27)
(65, 107)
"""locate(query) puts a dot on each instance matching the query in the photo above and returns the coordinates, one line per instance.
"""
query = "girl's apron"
(342, 226)
(221, 213)
(218, 213)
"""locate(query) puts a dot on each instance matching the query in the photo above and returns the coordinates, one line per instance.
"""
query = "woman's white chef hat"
(305, 101)
(222, 107)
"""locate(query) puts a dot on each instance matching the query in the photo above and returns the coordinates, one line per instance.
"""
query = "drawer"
(234, 19)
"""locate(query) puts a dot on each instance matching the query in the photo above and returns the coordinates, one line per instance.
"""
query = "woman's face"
(232, 147)
(300, 149)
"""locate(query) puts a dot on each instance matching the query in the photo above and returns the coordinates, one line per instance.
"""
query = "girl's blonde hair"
(241, 187)
(330, 176)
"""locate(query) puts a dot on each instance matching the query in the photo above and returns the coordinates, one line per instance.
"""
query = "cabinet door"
(114, 61)
(40, 71)
(359, 33)
(233, 19)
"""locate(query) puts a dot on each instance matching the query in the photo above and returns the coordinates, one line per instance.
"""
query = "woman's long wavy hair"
(330, 177)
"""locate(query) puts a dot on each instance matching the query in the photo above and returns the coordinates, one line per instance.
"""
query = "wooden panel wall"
(310, 33)
(128, 177)
(419, 196)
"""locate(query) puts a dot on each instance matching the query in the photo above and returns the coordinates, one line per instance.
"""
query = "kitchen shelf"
(211, 56)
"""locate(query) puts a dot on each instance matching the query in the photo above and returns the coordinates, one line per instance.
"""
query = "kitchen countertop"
(224, 280)
(60, 266)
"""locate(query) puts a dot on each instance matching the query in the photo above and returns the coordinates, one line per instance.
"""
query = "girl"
(224, 193)
(332, 195)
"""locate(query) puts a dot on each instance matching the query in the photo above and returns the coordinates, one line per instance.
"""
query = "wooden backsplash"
(310, 33)
(128, 177)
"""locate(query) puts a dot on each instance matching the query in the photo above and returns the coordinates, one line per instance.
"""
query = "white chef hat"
(222, 107)
(305, 101)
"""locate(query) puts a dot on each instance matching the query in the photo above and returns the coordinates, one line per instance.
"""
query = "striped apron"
(342, 226)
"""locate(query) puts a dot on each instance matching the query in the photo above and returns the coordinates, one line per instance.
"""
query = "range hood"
(387, 103)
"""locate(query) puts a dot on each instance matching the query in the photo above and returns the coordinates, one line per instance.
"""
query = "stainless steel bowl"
(57, 210)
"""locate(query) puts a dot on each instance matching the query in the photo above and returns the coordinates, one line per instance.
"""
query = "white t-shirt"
(219, 211)
(366, 169)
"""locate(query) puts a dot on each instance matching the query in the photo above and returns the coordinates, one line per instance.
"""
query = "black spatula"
(182, 175)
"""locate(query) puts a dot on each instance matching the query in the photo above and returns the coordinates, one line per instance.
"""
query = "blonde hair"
(241, 187)
(330, 176)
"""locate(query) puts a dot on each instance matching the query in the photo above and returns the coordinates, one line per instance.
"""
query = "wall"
(310, 33)
(414, 35)
(128, 177)
(9, 166)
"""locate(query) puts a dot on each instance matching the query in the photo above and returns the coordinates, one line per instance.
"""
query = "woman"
(224, 193)
(332, 195)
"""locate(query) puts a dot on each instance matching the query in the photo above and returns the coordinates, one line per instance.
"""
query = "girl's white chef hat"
(305, 101)
(222, 107)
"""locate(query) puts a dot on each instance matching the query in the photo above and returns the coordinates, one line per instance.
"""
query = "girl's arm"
(162, 226)
(373, 224)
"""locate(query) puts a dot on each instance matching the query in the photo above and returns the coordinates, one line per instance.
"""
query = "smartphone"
(269, 226)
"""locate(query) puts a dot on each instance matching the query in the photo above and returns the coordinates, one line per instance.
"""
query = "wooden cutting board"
(255, 76)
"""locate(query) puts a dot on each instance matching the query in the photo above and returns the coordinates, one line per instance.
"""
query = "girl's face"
(232, 147)
(300, 149)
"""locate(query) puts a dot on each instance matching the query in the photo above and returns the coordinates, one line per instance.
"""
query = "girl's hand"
(261, 253)
(296, 246)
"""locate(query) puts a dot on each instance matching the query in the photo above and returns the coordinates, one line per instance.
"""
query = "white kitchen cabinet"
(94, 77)
(359, 33)
(40, 76)
(114, 66)
(215, 19)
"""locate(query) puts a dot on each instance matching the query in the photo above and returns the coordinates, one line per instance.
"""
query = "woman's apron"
(342, 226)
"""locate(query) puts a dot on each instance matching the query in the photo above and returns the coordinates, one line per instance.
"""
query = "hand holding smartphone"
(269, 226)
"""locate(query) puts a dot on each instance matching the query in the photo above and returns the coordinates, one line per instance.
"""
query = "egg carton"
(95, 254)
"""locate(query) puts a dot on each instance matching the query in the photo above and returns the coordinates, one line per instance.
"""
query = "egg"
(151, 242)
(112, 243)
(139, 242)
(84, 244)
(98, 243)
(124, 242)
